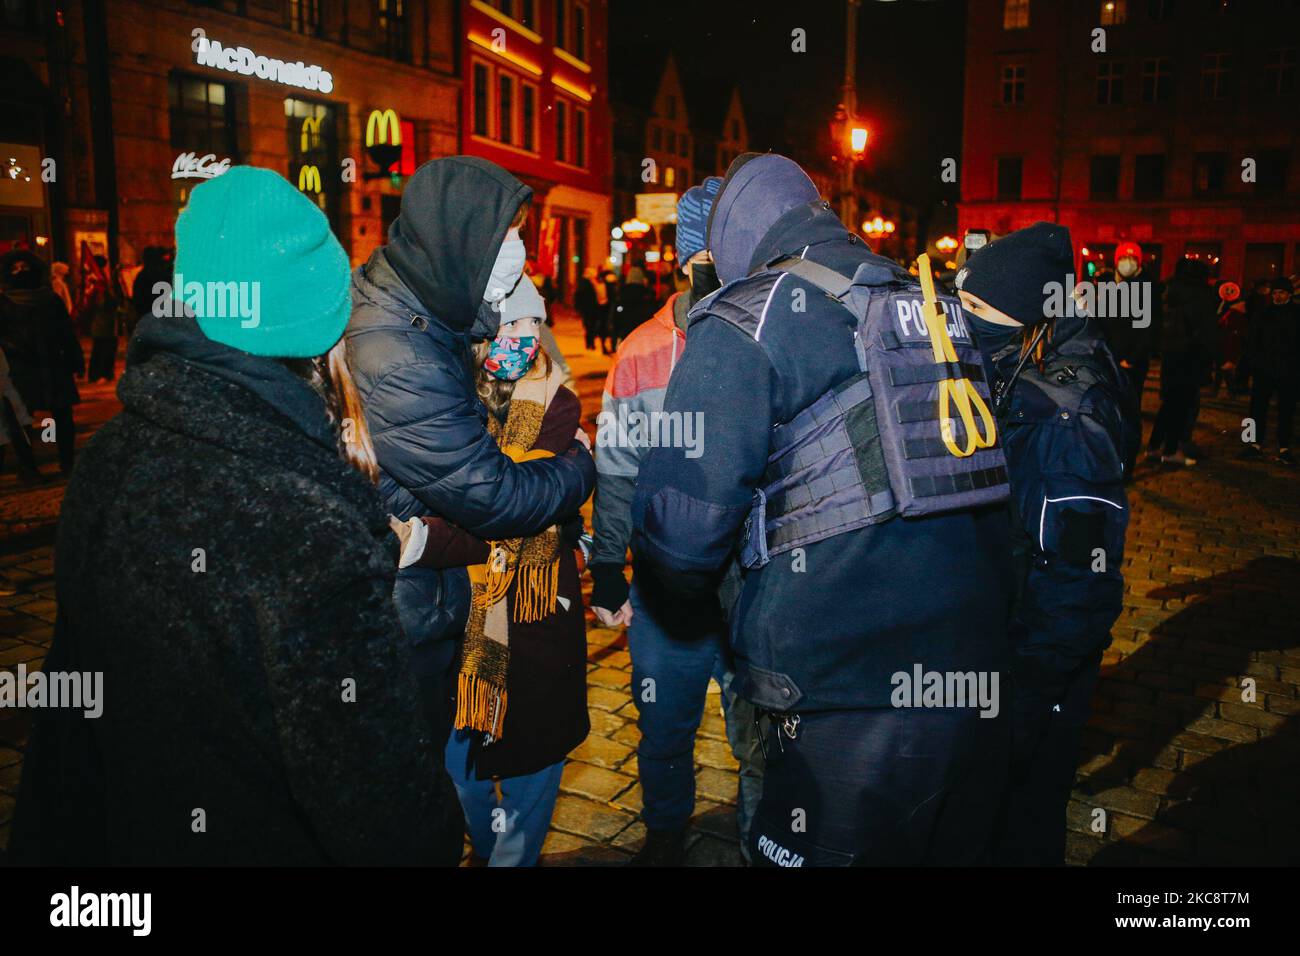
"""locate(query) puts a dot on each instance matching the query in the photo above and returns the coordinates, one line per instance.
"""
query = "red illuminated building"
(535, 99)
(1170, 124)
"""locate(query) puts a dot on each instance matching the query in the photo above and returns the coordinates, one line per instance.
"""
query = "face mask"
(506, 270)
(704, 280)
(993, 338)
(509, 359)
(1127, 267)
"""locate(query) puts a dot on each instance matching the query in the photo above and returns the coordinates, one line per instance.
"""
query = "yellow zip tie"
(961, 391)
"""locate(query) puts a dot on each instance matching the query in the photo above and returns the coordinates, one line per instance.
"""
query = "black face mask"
(992, 337)
(704, 280)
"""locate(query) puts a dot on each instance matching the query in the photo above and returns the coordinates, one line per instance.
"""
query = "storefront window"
(202, 118)
(313, 154)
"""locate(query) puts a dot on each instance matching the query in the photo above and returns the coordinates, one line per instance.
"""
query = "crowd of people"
(1208, 334)
(329, 561)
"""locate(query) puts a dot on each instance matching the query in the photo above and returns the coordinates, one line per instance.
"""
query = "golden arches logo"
(383, 122)
(310, 130)
(309, 179)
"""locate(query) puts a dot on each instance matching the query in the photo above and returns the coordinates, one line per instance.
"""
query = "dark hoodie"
(221, 681)
(415, 305)
(828, 630)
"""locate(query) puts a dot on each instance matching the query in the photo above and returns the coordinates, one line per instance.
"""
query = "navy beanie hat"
(693, 217)
(1010, 273)
(758, 190)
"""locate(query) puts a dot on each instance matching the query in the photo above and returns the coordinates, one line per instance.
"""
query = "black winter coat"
(223, 688)
(41, 344)
(415, 303)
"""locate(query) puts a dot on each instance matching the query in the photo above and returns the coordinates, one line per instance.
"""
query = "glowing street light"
(858, 140)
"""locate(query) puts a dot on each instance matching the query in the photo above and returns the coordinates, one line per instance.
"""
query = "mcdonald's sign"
(310, 130)
(384, 139)
(309, 179)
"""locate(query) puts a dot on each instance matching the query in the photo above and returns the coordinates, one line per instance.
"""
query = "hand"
(622, 616)
(401, 529)
(582, 436)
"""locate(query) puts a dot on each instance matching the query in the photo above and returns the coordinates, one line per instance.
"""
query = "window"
(506, 108)
(562, 24)
(528, 119)
(1013, 84)
(481, 113)
(1279, 72)
(304, 16)
(1208, 173)
(202, 117)
(1110, 83)
(670, 177)
(392, 25)
(684, 144)
(672, 141)
(1149, 176)
(579, 48)
(561, 131)
(521, 11)
(313, 154)
(1155, 80)
(1216, 76)
(656, 138)
(580, 137)
(1270, 172)
(1207, 252)
(1103, 177)
(1015, 14)
(1009, 176)
(1114, 12)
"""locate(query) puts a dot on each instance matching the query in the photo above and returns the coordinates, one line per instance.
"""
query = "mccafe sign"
(240, 59)
(193, 166)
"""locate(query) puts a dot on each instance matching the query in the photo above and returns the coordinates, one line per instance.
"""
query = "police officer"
(825, 632)
(1059, 401)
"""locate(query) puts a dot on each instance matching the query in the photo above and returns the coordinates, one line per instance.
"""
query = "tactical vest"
(871, 449)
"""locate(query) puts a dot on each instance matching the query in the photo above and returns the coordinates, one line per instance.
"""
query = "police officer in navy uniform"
(1059, 402)
(822, 632)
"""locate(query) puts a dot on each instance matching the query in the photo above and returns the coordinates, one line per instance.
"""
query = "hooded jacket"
(41, 343)
(826, 628)
(1063, 431)
(222, 680)
(415, 305)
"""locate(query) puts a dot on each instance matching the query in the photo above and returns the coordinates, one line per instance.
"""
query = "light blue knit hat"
(693, 217)
(258, 264)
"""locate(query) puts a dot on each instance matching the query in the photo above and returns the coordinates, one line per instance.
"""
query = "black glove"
(571, 529)
(608, 586)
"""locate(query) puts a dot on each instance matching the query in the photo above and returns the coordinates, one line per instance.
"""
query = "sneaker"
(1177, 458)
(1286, 456)
(661, 848)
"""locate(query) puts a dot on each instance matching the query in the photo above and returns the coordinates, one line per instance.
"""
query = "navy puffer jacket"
(415, 304)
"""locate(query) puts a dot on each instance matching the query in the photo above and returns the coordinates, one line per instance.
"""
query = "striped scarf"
(520, 581)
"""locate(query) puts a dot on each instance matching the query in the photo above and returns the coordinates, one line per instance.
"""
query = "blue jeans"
(509, 831)
(679, 658)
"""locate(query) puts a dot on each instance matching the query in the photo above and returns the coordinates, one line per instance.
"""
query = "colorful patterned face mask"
(509, 358)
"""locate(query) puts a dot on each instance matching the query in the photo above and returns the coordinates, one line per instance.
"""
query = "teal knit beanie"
(256, 261)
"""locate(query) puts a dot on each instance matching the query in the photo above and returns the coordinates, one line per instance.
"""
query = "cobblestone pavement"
(1190, 756)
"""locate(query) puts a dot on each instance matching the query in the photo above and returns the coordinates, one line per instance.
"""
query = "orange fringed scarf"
(520, 581)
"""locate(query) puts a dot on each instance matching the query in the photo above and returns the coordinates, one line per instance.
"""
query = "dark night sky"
(909, 72)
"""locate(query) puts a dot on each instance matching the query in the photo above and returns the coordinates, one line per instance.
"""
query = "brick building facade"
(1142, 120)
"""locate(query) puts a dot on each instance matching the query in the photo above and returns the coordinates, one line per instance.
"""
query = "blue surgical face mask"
(506, 271)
